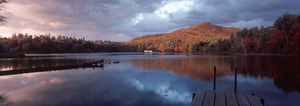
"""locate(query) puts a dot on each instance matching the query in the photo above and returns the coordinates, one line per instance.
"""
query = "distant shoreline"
(11, 55)
(188, 54)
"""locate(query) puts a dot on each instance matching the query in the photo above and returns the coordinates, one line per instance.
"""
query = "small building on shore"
(148, 51)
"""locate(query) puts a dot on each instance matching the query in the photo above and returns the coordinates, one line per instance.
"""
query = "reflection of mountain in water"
(198, 68)
(285, 71)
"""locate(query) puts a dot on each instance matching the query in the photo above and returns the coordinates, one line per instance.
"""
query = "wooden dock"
(212, 98)
(94, 64)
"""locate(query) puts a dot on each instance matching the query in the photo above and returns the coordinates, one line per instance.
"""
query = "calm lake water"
(156, 79)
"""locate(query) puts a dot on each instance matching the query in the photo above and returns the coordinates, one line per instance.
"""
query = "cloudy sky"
(122, 20)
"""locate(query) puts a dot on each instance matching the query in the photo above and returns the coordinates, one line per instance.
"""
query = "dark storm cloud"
(91, 17)
(228, 12)
(121, 20)
(196, 14)
(217, 2)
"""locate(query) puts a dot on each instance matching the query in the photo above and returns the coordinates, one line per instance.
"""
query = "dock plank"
(242, 99)
(253, 100)
(220, 99)
(209, 98)
(212, 98)
(198, 100)
(231, 99)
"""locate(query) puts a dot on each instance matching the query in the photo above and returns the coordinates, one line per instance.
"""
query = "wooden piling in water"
(215, 71)
(194, 94)
(235, 83)
(217, 98)
(262, 101)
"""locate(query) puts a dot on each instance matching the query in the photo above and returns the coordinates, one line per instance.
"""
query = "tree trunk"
(243, 45)
(287, 41)
(244, 49)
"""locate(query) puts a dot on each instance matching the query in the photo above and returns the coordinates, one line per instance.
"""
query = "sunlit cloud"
(173, 95)
(138, 18)
(172, 7)
(138, 85)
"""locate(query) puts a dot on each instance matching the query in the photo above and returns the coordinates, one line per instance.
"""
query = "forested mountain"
(190, 39)
(199, 31)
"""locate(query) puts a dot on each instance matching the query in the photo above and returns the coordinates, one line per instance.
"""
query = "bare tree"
(243, 44)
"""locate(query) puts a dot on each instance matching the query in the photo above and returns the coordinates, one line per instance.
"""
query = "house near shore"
(148, 51)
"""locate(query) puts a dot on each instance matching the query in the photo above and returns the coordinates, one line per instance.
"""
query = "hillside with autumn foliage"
(185, 40)
(281, 38)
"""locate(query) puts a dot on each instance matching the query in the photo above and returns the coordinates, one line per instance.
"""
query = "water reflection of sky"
(116, 85)
(125, 85)
(136, 81)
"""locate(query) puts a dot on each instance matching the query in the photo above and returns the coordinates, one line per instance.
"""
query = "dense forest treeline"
(283, 37)
(60, 44)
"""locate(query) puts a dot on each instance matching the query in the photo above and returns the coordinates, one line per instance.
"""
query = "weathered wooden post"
(262, 101)
(194, 94)
(215, 78)
(235, 74)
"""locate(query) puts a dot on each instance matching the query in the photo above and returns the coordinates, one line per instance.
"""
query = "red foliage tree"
(295, 44)
(276, 42)
(181, 48)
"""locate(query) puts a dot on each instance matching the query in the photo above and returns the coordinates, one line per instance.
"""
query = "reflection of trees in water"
(288, 81)
(4, 100)
(285, 71)
(198, 68)
(24, 63)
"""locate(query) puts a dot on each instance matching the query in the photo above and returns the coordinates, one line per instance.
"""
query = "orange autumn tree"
(295, 44)
(161, 47)
(276, 43)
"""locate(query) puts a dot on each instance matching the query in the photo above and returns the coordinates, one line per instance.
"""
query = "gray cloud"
(120, 20)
